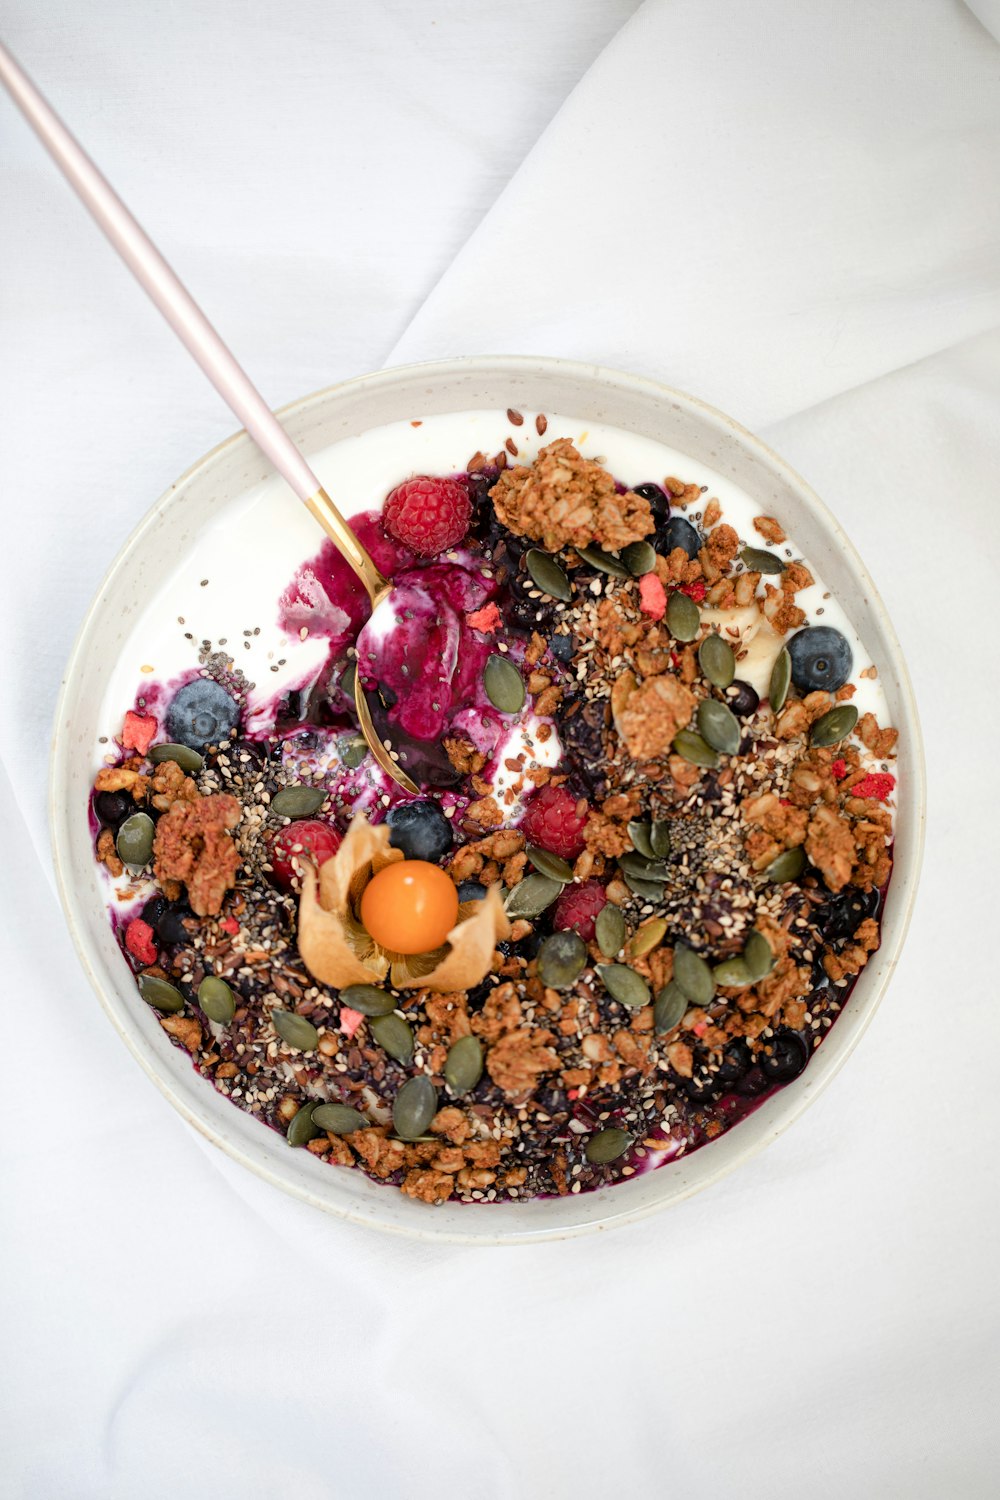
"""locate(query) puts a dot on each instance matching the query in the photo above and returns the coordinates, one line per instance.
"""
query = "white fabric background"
(789, 208)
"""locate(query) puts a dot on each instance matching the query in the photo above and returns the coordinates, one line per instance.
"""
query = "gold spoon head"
(387, 759)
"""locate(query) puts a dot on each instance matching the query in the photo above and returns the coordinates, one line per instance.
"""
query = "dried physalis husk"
(337, 950)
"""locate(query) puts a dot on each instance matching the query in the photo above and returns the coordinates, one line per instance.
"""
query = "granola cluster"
(566, 500)
(733, 838)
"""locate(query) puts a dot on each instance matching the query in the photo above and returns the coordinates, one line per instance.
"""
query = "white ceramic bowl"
(163, 539)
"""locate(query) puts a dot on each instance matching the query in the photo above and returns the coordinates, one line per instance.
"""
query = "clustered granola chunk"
(564, 500)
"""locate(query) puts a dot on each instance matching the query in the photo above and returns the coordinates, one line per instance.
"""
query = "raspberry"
(652, 596)
(306, 839)
(139, 941)
(428, 515)
(877, 784)
(486, 620)
(552, 822)
(695, 591)
(578, 907)
(138, 731)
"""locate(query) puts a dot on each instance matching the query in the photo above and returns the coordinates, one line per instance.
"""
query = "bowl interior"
(202, 497)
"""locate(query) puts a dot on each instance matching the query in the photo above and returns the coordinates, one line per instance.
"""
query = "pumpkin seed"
(368, 999)
(298, 801)
(788, 866)
(717, 660)
(636, 864)
(671, 1003)
(349, 680)
(648, 937)
(549, 864)
(338, 1119)
(393, 1035)
(504, 685)
(734, 973)
(757, 956)
(602, 561)
(683, 617)
(464, 1064)
(649, 890)
(719, 726)
(186, 758)
(692, 748)
(216, 1000)
(642, 840)
(562, 958)
(607, 1145)
(760, 561)
(351, 750)
(531, 896)
(624, 985)
(295, 1031)
(610, 930)
(693, 975)
(414, 1107)
(832, 727)
(548, 575)
(659, 837)
(639, 558)
(160, 994)
(134, 842)
(781, 676)
(301, 1128)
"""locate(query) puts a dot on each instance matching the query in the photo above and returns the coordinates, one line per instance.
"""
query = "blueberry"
(563, 648)
(741, 699)
(471, 890)
(167, 919)
(202, 713)
(700, 1089)
(421, 830)
(752, 1083)
(736, 1061)
(113, 808)
(677, 533)
(821, 658)
(841, 915)
(785, 1057)
(658, 502)
(154, 909)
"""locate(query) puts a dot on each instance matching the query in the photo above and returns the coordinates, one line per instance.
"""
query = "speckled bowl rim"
(335, 1190)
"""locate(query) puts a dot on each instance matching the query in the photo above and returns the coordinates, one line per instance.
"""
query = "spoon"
(204, 344)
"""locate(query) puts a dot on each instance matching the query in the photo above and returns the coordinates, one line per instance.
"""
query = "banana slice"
(753, 639)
